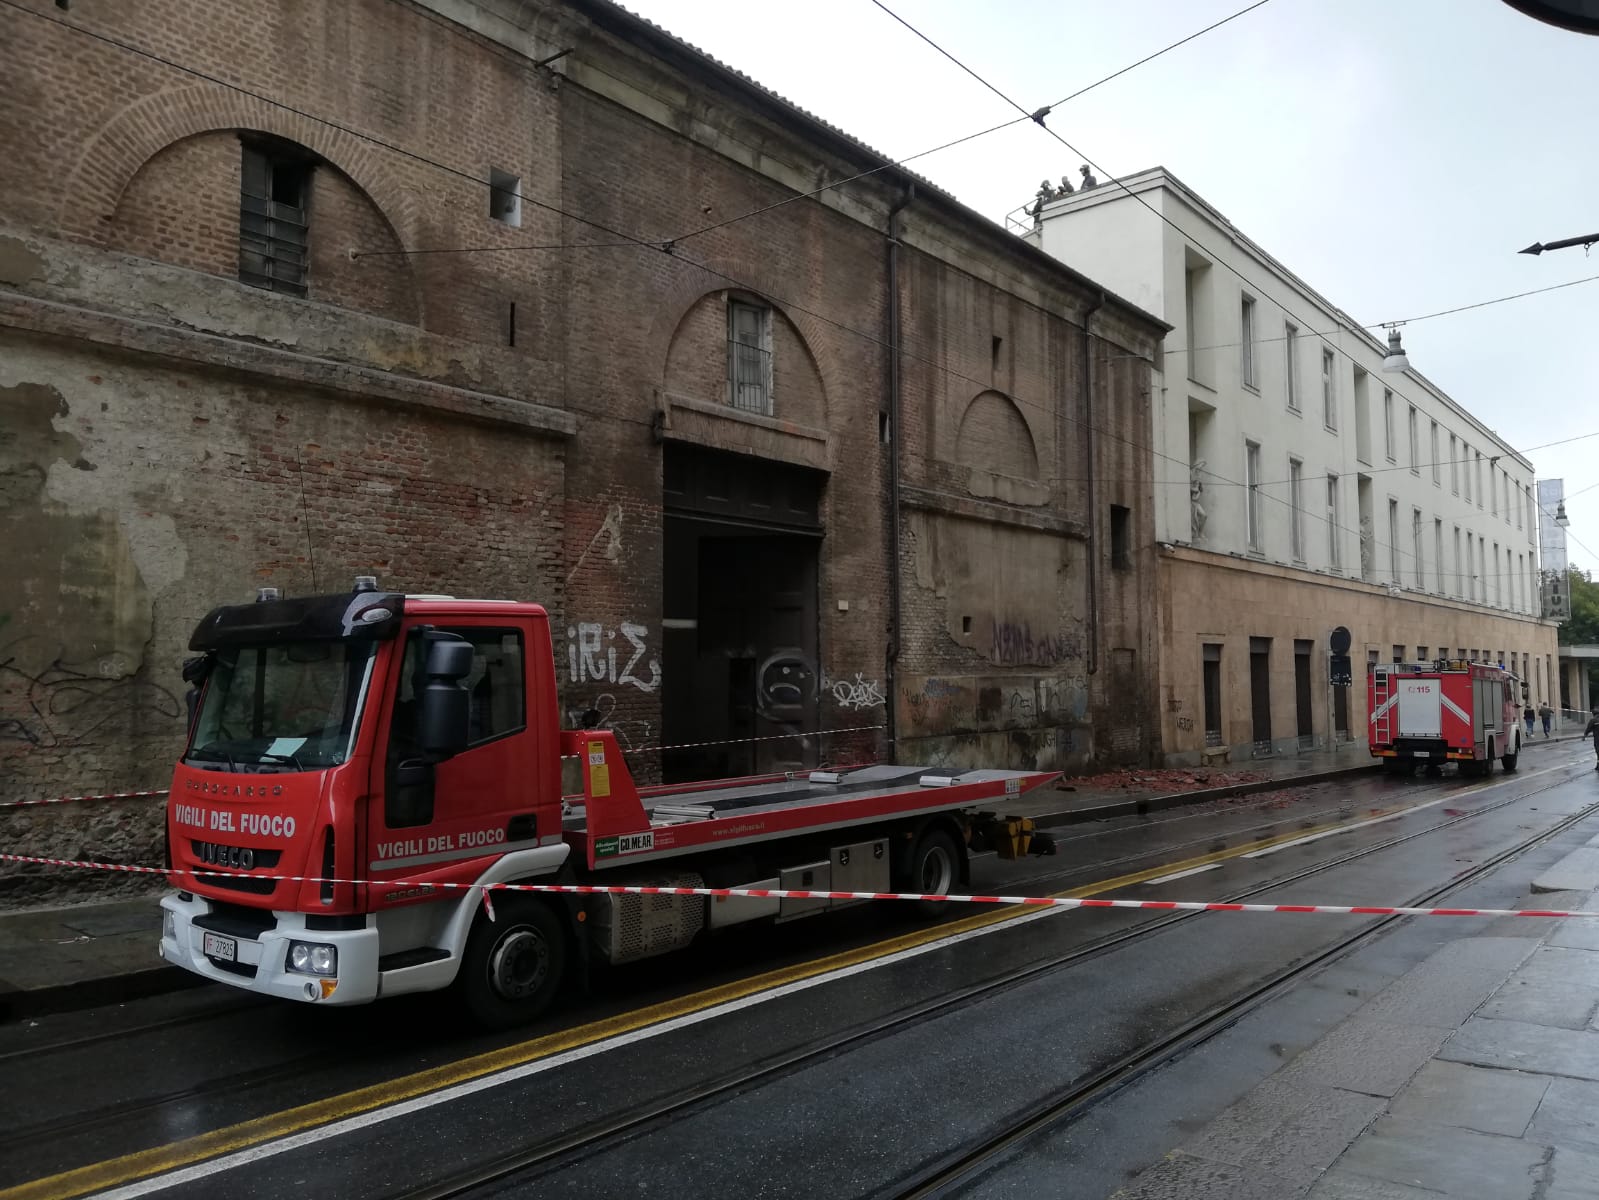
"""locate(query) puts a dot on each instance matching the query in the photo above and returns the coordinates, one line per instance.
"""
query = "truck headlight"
(169, 924)
(313, 958)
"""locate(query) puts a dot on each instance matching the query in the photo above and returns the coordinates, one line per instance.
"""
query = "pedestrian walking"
(1593, 732)
(1548, 715)
(1529, 714)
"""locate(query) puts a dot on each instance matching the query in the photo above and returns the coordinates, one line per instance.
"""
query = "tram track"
(529, 1162)
(962, 1166)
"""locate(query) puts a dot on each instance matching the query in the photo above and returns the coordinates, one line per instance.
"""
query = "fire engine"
(1447, 711)
(358, 766)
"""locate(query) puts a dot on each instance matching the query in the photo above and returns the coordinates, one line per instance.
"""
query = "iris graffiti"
(595, 655)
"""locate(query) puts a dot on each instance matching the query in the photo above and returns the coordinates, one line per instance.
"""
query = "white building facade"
(1300, 488)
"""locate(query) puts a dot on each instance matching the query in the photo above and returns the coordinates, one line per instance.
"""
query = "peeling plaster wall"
(136, 494)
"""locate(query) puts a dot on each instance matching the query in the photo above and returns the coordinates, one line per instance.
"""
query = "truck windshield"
(287, 707)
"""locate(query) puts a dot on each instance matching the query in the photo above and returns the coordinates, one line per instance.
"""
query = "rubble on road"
(1165, 779)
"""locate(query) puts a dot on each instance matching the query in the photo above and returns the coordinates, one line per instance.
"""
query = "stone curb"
(1149, 804)
(22, 1003)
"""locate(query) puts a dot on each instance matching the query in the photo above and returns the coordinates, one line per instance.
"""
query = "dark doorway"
(1210, 652)
(1341, 713)
(1260, 692)
(1307, 729)
(741, 681)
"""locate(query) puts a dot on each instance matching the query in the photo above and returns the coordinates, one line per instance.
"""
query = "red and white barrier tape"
(76, 799)
(584, 889)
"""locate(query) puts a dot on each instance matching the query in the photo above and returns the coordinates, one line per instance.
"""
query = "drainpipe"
(891, 691)
(1093, 504)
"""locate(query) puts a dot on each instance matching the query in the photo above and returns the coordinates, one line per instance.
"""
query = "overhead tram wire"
(1038, 119)
(892, 163)
(665, 247)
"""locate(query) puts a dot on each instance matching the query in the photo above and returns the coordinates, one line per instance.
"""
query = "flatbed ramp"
(614, 825)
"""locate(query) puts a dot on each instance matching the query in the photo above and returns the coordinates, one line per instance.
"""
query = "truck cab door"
(432, 820)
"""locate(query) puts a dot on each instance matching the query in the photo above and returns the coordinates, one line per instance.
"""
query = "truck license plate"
(216, 946)
(1423, 753)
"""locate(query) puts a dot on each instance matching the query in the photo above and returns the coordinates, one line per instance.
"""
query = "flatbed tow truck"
(359, 766)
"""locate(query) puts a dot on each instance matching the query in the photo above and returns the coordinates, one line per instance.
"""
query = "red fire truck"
(1446, 711)
(379, 746)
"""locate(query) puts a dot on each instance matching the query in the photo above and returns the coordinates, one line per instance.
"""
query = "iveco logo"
(222, 789)
(217, 855)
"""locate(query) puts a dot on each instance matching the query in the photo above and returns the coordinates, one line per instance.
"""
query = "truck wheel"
(513, 966)
(933, 868)
(1508, 762)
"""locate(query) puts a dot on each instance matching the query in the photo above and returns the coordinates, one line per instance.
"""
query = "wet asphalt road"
(964, 1056)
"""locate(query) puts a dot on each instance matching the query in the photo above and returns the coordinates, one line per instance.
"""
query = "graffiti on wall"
(1063, 698)
(594, 655)
(56, 703)
(600, 713)
(856, 694)
(1014, 644)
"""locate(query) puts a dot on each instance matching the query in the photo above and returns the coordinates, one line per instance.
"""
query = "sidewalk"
(85, 955)
(1475, 1074)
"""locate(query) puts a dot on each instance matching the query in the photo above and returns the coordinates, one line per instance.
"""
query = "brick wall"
(195, 437)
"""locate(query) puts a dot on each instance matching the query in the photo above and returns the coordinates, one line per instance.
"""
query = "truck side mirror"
(444, 708)
(195, 672)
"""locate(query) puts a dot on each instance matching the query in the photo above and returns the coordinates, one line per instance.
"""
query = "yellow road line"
(157, 1160)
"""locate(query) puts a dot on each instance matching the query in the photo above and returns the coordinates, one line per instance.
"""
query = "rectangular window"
(1246, 339)
(1482, 570)
(273, 183)
(1458, 589)
(1388, 424)
(1296, 509)
(1252, 486)
(1210, 656)
(1291, 365)
(1498, 592)
(1362, 416)
(1415, 539)
(1415, 445)
(1493, 490)
(1332, 523)
(1476, 480)
(1121, 537)
(1437, 478)
(1329, 390)
(1465, 456)
(1438, 555)
(749, 357)
(496, 706)
(505, 197)
(1393, 541)
(1471, 570)
(1454, 466)
(1260, 693)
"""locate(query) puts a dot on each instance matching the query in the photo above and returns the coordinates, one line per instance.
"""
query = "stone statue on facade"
(1045, 194)
(1088, 178)
(1196, 492)
(1065, 187)
(1368, 549)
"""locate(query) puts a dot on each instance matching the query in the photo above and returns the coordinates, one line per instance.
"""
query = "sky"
(1395, 154)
